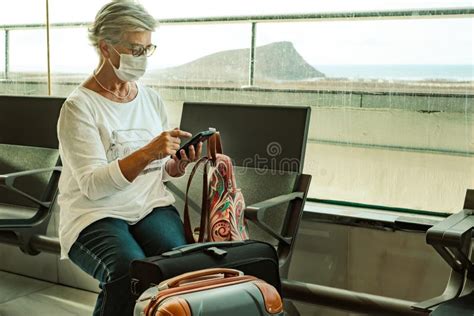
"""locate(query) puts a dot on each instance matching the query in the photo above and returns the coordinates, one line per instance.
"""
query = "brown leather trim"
(195, 275)
(211, 147)
(271, 298)
(220, 149)
(204, 223)
(194, 287)
(214, 146)
(204, 285)
(174, 306)
(188, 232)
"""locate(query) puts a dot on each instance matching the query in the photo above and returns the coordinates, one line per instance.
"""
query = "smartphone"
(199, 137)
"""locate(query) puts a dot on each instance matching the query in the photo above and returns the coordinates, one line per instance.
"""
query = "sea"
(400, 72)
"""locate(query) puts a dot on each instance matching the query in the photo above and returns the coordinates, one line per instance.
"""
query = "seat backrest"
(29, 121)
(28, 140)
(263, 137)
(267, 145)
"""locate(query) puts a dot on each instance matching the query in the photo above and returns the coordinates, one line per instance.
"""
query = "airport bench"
(43, 241)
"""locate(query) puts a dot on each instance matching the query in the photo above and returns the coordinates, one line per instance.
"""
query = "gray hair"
(118, 17)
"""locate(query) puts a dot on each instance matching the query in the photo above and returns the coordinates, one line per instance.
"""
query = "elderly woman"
(115, 147)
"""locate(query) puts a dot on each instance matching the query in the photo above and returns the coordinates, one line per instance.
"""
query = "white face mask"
(131, 67)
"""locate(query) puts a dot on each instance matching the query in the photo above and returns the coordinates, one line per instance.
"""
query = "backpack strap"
(205, 209)
(214, 146)
(219, 149)
(188, 232)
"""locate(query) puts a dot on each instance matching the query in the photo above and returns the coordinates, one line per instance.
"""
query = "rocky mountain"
(277, 61)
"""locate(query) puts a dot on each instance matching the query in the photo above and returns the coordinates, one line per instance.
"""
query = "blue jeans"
(105, 249)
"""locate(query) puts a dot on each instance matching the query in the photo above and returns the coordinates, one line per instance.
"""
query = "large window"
(216, 8)
(72, 57)
(2, 53)
(413, 55)
(24, 48)
(390, 83)
(390, 139)
(185, 55)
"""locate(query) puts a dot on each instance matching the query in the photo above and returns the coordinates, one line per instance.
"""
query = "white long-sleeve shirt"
(94, 133)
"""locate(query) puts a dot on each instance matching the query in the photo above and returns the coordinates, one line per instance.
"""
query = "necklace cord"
(110, 91)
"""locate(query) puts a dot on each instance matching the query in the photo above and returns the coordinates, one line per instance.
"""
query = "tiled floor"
(23, 296)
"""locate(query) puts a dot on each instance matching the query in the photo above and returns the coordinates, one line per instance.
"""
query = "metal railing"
(254, 20)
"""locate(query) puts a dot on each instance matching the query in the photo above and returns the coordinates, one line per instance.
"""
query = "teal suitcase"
(210, 292)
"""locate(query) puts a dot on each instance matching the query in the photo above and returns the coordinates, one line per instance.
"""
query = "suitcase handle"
(192, 276)
(181, 250)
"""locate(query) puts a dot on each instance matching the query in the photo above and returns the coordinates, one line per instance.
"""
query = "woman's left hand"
(194, 155)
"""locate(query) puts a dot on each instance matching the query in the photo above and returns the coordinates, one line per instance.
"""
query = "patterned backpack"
(223, 205)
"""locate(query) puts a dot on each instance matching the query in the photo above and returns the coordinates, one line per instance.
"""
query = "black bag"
(251, 257)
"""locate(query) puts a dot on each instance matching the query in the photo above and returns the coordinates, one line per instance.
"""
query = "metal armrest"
(256, 212)
(415, 224)
(8, 181)
(454, 234)
(36, 242)
(452, 239)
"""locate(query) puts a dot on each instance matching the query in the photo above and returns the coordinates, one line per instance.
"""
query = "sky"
(412, 41)
(84, 10)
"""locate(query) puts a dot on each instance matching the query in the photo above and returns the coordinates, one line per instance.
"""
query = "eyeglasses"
(140, 50)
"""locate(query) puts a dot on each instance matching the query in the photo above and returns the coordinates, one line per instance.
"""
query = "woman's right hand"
(165, 144)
